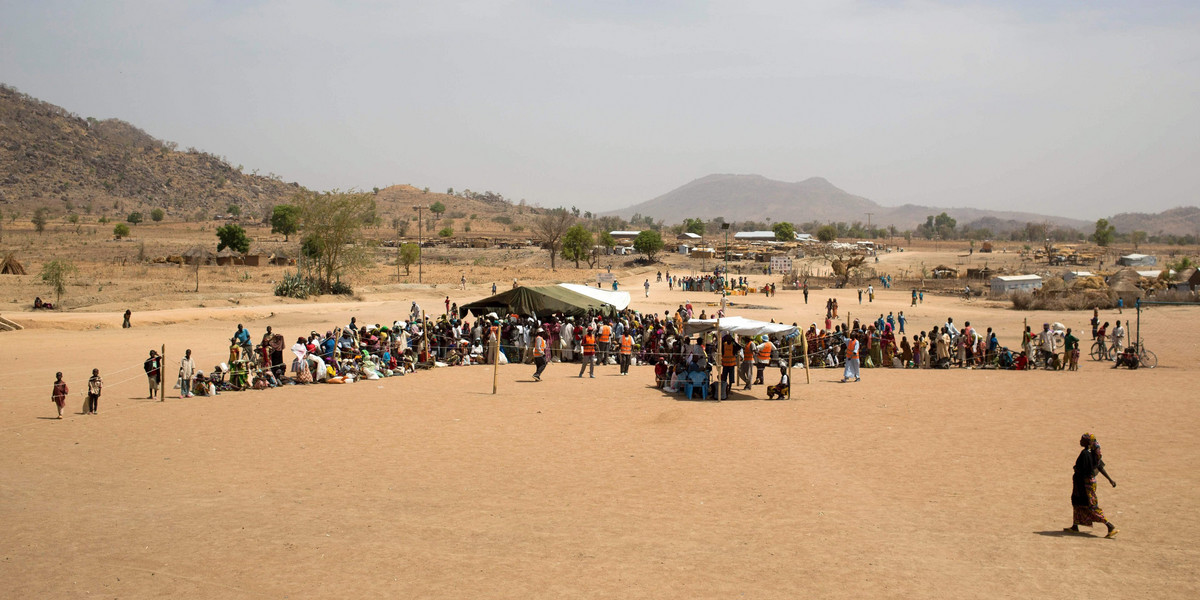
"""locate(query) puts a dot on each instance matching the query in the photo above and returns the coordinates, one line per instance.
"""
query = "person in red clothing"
(59, 395)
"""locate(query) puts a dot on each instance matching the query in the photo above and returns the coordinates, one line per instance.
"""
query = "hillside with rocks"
(50, 157)
(1181, 221)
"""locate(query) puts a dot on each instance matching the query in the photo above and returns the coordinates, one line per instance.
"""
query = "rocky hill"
(52, 158)
(1181, 221)
(756, 198)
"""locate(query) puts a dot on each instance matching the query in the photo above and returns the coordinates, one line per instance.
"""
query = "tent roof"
(739, 326)
(229, 252)
(197, 251)
(11, 266)
(618, 299)
(539, 301)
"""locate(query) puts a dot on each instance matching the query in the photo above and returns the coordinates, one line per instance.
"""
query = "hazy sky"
(1072, 108)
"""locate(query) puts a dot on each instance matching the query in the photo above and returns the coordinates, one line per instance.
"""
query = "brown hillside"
(53, 158)
(487, 214)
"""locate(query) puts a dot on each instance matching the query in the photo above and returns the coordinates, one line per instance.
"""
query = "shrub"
(1069, 301)
(446, 232)
(294, 285)
(121, 230)
(341, 289)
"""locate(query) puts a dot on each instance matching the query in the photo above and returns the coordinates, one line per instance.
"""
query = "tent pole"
(721, 355)
(495, 361)
(807, 375)
(425, 335)
(162, 369)
(789, 370)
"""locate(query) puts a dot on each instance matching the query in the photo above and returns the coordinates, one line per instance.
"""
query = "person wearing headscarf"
(1083, 487)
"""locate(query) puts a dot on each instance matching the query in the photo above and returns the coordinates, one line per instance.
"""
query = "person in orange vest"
(539, 353)
(762, 358)
(853, 348)
(626, 353)
(748, 351)
(589, 353)
(729, 361)
(605, 340)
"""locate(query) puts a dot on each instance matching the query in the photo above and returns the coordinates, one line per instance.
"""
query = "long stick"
(425, 335)
(789, 370)
(495, 361)
(721, 353)
(162, 369)
(807, 376)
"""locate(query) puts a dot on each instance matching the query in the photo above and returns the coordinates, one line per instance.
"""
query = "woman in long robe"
(1085, 507)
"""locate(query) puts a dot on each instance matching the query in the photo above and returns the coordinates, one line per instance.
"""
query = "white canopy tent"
(740, 326)
(618, 299)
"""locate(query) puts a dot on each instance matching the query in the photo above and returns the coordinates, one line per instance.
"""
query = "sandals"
(1112, 533)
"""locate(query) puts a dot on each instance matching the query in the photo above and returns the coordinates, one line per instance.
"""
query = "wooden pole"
(789, 370)
(721, 354)
(162, 370)
(807, 375)
(495, 361)
(425, 335)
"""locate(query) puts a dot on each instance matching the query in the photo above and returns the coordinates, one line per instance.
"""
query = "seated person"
(1021, 362)
(781, 389)
(660, 373)
(1127, 357)
(1005, 359)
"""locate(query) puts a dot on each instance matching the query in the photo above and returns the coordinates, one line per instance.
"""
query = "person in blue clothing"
(242, 338)
(891, 320)
(900, 319)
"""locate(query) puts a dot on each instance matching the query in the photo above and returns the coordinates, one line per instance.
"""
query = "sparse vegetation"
(120, 230)
(55, 273)
(134, 217)
(39, 219)
(157, 215)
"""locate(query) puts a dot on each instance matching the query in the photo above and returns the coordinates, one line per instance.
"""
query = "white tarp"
(739, 326)
(618, 299)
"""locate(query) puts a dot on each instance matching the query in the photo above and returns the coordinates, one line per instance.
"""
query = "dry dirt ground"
(910, 484)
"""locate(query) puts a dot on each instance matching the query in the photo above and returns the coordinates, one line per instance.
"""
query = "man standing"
(870, 293)
(626, 352)
(647, 286)
(806, 292)
(748, 351)
(1118, 338)
(187, 371)
(95, 386)
(605, 341)
(729, 361)
(539, 354)
(1046, 345)
(153, 367)
(567, 335)
(914, 297)
(589, 353)
(860, 295)
(763, 358)
(1071, 351)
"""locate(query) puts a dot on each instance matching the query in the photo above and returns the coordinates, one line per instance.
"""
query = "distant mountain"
(756, 198)
(1184, 220)
(52, 158)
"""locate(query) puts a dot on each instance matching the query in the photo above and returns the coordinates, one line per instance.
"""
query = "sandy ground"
(910, 484)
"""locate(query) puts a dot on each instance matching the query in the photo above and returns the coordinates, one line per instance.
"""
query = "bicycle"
(1101, 350)
(1146, 358)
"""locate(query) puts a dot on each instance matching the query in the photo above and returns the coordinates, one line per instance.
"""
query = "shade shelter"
(620, 300)
(539, 301)
(740, 326)
(11, 266)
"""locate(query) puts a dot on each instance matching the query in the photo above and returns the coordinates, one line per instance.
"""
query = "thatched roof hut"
(229, 256)
(281, 258)
(11, 266)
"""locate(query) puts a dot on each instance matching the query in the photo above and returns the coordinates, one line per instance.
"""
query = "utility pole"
(420, 250)
(868, 223)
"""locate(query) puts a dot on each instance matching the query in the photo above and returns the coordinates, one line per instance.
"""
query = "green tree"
(1137, 237)
(577, 244)
(134, 217)
(1104, 233)
(446, 232)
(55, 273)
(784, 231)
(39, 219)
(695, 226)
(285, 219)
(234, 210)
(233, 236)
(157, 215)
(607, 240)
(120, 230)
(827, 233)
(409, 255)
(332, 223)
(437, 208)
(550, 228)
(648, 242)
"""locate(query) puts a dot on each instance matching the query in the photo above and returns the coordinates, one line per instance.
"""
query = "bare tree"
(549, 230)
(845, 262)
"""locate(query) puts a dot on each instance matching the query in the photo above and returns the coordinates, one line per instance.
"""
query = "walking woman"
(1083, 489)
